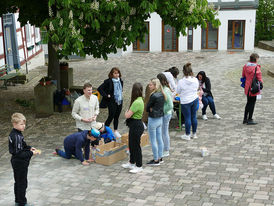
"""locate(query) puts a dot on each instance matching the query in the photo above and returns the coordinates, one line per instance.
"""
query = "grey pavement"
(238, 171)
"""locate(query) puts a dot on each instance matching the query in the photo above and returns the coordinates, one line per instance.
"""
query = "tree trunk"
(53, 64)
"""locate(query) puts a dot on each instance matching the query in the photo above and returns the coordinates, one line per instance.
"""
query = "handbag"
(255, 84)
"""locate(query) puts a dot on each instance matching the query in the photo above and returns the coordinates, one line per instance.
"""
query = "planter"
(43, 100)
(64, 67)
(45, 81)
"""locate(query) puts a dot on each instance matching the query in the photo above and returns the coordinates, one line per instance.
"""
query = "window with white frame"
(28, 33)
(37, 33)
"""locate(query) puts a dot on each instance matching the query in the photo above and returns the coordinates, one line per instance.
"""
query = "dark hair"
(203, 74)
(174, 71)
(114, 69)
(187, 70)
(137, 91)
(163, 79)
(87, 85)
(253, 57)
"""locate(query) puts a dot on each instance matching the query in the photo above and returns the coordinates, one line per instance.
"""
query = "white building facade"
(17, 44)
(236, 32)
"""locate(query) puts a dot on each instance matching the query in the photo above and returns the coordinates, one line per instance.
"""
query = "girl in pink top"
(248, 73)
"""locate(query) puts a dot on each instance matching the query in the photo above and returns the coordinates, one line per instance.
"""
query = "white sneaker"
(204, 117)
(117, 134)
(216, 116)
(194, 136)
(136, 170)
(185, 137)
(165, 153)
(128, 166)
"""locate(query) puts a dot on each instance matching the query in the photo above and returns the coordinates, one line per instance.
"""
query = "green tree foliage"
(265, 21)
(99, 27)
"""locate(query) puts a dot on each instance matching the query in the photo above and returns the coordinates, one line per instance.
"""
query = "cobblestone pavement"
(238, 171)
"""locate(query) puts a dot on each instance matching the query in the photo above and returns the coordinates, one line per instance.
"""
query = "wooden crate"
(110, 153)
(144, 139)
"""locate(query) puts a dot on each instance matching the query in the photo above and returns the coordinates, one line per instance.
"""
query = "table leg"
(180, 117)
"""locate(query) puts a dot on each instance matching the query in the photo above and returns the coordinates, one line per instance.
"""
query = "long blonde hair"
(158, 87)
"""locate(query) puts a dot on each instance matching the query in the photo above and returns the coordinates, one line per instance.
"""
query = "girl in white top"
(187, 89)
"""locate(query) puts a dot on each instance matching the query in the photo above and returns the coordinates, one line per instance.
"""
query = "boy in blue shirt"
(105, 132)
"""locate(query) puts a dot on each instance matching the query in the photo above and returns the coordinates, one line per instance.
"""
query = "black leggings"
(114, 111)
(249, 107)
(136, 129)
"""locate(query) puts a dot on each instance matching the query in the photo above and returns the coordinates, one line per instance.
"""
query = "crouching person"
(105, 132)
(74, 143)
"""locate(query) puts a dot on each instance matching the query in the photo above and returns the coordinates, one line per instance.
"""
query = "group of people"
(157, 111)
(158, 105)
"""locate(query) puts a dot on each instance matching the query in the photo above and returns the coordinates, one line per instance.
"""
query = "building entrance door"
(10, 39)
(169, 38)
(236, 33)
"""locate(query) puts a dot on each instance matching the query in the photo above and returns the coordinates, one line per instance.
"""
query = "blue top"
(76, 142)
(108, 134)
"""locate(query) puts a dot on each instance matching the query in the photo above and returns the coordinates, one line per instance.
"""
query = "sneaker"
(194, 136)
(161, 161)
(136, 170)
(165, 153)
(117, 134)
(153, 163)
(56, 151)
(183, 125)
(245, 121)
(204, 117)
(128, 166)
(185, 137)
(251, 122)
(216, 116)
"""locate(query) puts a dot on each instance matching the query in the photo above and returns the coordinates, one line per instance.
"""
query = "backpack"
(255, 84)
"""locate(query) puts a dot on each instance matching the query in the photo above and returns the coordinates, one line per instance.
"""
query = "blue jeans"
(189, 110)
(165, 132)
(155, 136)
(208, 100)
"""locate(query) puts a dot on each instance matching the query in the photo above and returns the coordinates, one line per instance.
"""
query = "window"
(142, 46)
(28, 32)
(37, 33)
(169, 38)
(209, 37)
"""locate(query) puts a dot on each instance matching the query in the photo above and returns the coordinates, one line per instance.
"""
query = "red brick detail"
(2, 56)
(21, 46)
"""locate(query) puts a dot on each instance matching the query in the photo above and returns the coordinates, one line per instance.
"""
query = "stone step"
(270, 72)
(267, 45)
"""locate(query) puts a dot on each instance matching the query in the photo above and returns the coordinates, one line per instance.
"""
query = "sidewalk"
(238, 172)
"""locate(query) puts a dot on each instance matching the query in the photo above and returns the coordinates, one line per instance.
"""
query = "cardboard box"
(108, 154)
(144, 139)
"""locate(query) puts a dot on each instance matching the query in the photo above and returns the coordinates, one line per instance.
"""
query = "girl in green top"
(136, 129)
(168, 108)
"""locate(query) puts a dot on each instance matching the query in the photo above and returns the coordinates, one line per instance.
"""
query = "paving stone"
(237, 172)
